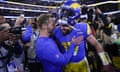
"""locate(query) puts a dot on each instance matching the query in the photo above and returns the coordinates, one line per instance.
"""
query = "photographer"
(9, 46)
(28, 38)
(100, 24)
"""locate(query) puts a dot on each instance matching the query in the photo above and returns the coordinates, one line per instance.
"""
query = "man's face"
(66, 29)
(51, 25)
(32, 22)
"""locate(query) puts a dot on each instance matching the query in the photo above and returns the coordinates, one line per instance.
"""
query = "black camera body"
(17, 30)
(14, 30)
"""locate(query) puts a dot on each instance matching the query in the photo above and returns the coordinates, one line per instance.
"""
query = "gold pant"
(81, 66)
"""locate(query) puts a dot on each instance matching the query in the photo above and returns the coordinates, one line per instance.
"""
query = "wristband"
(104, 58)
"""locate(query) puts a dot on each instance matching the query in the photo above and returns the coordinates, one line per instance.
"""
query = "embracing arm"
(53, 55)
(102, 54)
(92, 40)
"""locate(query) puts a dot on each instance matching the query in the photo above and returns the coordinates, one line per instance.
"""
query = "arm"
(19, 20)
(58, 58)
(92, 40)
(51, 54)
(29, 31)
(103, 55)
(103, 17)
(26, 36)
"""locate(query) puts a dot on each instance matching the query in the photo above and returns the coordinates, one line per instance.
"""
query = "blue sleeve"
(86, 30)
(27, 34)
(53, 55)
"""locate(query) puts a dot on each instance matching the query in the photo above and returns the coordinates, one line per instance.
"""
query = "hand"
(98, 11)
(108, 68)
(4, 35)
(19, 20)
(77, 40)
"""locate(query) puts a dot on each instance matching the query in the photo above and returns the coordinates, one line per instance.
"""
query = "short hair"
(43, 18)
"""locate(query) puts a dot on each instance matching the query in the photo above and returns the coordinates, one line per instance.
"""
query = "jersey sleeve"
(53, 55)
(26, 36)
(87, 31)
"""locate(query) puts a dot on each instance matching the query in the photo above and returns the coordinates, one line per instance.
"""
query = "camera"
(17, 30)
(14, 30)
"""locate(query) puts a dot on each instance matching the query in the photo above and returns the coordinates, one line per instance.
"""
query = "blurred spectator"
(106, 21)
(119, 27)
(29, 37)
(9, 46)
(11, 21)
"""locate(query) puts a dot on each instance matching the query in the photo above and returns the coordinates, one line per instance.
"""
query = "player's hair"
(43, 19)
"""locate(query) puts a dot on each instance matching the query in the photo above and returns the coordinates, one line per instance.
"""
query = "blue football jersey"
(82, 30)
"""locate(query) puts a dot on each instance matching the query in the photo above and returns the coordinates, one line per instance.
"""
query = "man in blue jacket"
(29, 36)
(46, 49)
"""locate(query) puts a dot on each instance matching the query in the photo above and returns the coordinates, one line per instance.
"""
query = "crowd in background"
(17, 49)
